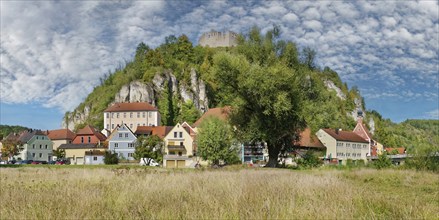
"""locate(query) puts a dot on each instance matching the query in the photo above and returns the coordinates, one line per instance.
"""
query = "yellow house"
(179, 147)
(60, 136)
(76, 152)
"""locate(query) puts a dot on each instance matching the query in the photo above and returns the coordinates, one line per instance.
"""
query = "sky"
(54, 52)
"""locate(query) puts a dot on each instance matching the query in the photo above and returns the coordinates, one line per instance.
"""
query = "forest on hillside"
(266, 53)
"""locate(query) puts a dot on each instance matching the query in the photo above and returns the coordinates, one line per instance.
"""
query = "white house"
(123, 142)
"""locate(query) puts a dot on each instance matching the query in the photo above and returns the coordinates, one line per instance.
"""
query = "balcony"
(176, 147)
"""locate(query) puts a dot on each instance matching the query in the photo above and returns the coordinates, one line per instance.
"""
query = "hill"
(180, 80)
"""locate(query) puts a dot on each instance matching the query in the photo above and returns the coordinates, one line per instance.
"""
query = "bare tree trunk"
(273, 153)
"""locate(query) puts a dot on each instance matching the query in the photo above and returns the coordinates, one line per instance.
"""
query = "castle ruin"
(218, 39)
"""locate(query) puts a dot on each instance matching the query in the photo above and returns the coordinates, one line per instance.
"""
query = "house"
(305, 142)
(221, 113)
(375, 148)
(89, 135)
(60, 136)
(343, 145)
(35, 145)
(123, 142)
(133, 114)
(395, 151)
(179, 148)
(94, 157)
(76, 152)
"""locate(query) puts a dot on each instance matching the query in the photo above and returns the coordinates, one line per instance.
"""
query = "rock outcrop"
(138, 91)
(330, 85)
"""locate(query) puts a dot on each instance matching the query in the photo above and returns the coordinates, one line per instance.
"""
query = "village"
(126, 122)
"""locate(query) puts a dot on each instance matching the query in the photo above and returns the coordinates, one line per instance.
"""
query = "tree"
(110, 158)
(150, 147)
(310, 160)
(266, 101)
(59, 153)
(215, 142)
(10, 148)
(188, 113)
(308, 57)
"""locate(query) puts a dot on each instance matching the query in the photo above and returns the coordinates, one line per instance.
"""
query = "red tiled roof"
(61, 134)
(308, 140)
(221, 113)
(160, 131)
(134, 106)
(345, 136)
(90, 130)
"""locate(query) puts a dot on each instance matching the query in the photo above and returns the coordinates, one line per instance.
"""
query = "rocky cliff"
(139, 91)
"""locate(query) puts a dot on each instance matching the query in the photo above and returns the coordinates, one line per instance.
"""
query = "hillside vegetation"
(320, 107)
(78, 193)
(7, 129)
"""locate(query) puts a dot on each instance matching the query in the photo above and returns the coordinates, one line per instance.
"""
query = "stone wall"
(218, 39)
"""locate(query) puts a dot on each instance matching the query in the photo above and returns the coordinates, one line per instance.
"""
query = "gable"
(178, 128)
(122, 132)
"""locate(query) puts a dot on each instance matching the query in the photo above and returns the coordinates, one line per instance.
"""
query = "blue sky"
(53, 53)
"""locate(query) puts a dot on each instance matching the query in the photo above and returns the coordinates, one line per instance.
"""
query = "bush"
(427, 159)
(382, 162)
(309, 160)
(110, 158)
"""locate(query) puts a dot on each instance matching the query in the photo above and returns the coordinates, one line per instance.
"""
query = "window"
(175, 134)
(138, 124)
(108, 115)
(131, 125)
(108, 126)
(143, 115)
(46, 146)
(138, 114)
(131, 114)
(130, 145)
(126, 135)
(41, 155)
(33, 146)
(130, 154)
(116, 144)
(117, 115)
(143, 124)
(33, 154)
(95, 158)
(354, 146)
(37, 137)
(364, 146)
(120, 135)
(181, 134)
(181, 143)
(112, 115)
(150, 114)
(89, 139)
(112, 126)
(41, 146)
(124, 115)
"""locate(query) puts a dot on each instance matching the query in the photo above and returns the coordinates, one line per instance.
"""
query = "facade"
(218, 39)
(343, 145)
(179, 149)
(133, 114)
(35, 145)
(94, 157)
(123, 142)
(76, 152)
(60, 136)
(89, 135)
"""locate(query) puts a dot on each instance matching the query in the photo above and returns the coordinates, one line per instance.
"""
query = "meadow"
(226, 193)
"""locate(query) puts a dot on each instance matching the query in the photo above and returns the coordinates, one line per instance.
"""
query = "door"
(80, 160)
(181, 163)
(170, 163)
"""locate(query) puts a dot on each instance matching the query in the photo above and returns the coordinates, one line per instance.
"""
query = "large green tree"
(265, 94)
(215, 142)
(10, 148)
(150, 147)
(188, 113)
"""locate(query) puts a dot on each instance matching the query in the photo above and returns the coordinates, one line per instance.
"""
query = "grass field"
(237, 193)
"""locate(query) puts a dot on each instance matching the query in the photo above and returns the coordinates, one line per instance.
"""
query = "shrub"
(382, 162)
(110, 158)
(310, 160)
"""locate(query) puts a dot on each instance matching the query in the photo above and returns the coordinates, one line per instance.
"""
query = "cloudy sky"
(53, 53)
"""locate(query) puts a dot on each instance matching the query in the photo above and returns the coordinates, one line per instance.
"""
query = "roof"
(345, 136)
(160, 131)
(27, 135)
(12, 137)
(308, 140)
(361, 129)
(90, 130)
(95, 153)
(400, 150)
(221, 113)
(127, 107)
(61, 134)
(80, 146)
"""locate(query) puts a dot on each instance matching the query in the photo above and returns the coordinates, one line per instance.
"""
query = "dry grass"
(45, 193)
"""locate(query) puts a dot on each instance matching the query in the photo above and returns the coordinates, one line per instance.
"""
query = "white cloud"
(58, 50)
(433, 114)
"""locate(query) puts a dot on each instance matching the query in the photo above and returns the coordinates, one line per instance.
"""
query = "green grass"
(115, 192)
